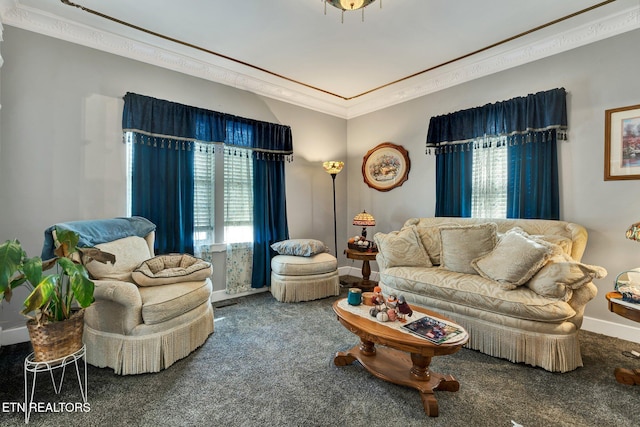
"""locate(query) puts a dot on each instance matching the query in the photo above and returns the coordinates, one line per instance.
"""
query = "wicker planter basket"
(57, 339)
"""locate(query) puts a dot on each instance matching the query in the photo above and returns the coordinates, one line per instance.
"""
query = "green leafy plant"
(53, 296)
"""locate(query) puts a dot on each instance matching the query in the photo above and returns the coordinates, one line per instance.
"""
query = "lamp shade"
(633, 233)
(364, 219)
(333, 167)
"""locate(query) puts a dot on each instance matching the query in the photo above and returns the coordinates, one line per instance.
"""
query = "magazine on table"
(435, 330)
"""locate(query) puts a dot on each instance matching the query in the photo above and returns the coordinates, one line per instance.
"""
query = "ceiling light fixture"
(349, 5)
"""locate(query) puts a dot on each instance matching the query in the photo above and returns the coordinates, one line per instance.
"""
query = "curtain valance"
(524, 119)
(167, 124)
(268, 141)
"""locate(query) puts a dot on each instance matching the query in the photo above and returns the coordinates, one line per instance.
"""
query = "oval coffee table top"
(388, 333)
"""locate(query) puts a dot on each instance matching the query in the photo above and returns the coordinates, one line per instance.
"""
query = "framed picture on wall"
(622, 143)
(386, 166)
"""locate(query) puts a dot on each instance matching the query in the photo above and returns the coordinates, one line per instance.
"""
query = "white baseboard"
(612, 329)
(14, 336)
(223, 295)
(357, 272)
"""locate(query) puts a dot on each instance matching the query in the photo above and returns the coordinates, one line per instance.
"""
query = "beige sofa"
(516, 285)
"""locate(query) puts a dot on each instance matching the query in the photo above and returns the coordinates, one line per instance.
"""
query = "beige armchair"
(135, 328)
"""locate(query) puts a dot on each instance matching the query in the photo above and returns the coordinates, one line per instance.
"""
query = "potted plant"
(55, 305)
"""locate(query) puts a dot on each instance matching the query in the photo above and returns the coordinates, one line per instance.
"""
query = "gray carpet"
(271, 364)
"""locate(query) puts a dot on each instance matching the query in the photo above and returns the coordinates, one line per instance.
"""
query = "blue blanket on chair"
(93, 232)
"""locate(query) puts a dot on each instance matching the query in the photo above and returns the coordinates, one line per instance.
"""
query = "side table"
(30, 365)
(365, 257)
(624, 376)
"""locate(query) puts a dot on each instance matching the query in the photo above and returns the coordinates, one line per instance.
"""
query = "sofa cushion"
(463, 244)
(290, 265)
(475, 291)
(165, 302)
(561, 275)
(173, 268)
(514, 260)
(299, 247)
(130, 252)
(402, 248)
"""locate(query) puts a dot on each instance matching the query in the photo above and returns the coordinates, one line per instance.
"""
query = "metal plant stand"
(31, 366)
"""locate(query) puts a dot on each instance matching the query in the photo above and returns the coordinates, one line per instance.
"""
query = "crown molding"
(202, 66)
(14, 14)
(492, 61)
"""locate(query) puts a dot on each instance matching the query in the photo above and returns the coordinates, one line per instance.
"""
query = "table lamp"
(364, 220)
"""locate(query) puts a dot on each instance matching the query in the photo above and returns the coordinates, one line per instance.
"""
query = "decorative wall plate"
(386, 166)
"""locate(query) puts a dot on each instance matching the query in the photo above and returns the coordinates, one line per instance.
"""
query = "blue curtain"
(532, 126)
(163, 135)
(269, 217)
(453, 184)
(162, 192)
(532, 183)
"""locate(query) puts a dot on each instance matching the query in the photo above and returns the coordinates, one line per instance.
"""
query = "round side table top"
(361, 256)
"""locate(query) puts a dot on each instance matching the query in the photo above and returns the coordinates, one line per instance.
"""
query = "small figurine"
(404, 309)
(378, 299)
(392, 301)
(393, 314)
(382, 316)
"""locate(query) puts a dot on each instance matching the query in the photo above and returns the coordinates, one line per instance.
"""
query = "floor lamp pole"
(335, 230)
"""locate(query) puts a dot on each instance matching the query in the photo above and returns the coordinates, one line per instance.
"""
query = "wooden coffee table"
(403, 358)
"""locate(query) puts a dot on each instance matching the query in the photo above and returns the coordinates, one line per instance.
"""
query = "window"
(221, 175)
(204, 168)
(489, 179)
(234, 181)
(238, 195)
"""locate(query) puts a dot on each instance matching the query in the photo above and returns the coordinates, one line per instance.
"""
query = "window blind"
(489, 180)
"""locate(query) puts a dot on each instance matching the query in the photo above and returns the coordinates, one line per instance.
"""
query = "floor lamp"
(333, 168)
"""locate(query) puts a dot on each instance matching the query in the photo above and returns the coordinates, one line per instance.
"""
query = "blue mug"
(355, 296)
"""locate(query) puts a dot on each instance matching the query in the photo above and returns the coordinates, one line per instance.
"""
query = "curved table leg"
(627, 376)
(430, 404)
(343, 359)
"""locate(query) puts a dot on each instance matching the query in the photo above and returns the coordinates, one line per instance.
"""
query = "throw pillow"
(430, 237)
(402, 248)
(168, 269)
(129, 253)
(299, 247)
(514, 260)
(561, 275)
(565, 244)
(462, 244)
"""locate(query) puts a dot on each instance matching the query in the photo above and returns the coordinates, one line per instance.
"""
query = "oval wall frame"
(386, 166)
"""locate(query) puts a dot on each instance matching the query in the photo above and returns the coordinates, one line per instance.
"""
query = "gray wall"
(597, 77)
(61, 157)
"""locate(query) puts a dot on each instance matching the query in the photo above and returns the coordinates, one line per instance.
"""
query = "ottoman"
(304, 278)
